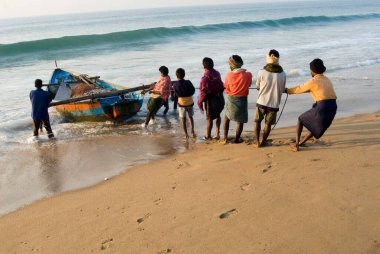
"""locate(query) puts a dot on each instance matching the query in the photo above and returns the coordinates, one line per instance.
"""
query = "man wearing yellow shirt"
(318, 119)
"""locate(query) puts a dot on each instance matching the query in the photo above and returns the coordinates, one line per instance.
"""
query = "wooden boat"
(78, 97)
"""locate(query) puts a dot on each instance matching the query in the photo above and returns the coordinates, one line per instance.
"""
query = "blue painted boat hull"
(116, 108)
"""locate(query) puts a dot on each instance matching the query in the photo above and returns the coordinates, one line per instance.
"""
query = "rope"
(278, 119)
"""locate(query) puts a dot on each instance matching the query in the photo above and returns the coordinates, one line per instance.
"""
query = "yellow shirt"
(319, 86)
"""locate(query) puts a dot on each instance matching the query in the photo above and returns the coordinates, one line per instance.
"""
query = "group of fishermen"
(271, 81)
(271, 84)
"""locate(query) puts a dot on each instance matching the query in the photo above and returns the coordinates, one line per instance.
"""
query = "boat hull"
(95, 112)
(115, 108)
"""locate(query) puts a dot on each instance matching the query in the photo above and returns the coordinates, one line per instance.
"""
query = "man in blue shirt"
(40, 100)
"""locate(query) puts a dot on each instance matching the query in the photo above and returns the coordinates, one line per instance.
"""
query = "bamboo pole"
(71, 82)
(102, 95)
(58, 84)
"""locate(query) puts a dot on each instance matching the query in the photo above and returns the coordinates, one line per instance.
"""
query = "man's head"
(180, 73)
(38, 83)
(164, 70)
(274, 52)
(235, 62)
(317, 67)
(208, 63)
(273, 57)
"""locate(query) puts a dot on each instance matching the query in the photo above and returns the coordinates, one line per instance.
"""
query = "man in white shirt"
(270, 84)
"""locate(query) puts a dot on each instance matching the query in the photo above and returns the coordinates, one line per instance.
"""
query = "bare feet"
(238, 141)
(194, 135)
(294, 147)
(224, 141)
(205, 138)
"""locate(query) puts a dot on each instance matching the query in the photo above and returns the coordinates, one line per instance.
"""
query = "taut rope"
(278, 119)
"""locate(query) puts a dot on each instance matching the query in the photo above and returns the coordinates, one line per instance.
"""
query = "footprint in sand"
(320, 142)
(224, 159)
(158, 201)
(164, 251)
(270, 155)
(182, 164)
(269, 166)
(141, 220)
(228, 214)
(286, 142)
(375, 249)
(106, 244)
(245, 186)
(279, 142)
(365, 165)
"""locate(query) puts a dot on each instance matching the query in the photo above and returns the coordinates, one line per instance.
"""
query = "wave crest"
(148, 35)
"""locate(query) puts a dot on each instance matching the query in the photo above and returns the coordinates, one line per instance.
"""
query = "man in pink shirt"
(159, 94)
(237, 86)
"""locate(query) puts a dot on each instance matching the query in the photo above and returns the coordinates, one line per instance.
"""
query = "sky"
(25, 8)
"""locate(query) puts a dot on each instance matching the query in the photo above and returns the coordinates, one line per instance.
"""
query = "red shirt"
(163, 86)
(238, 82)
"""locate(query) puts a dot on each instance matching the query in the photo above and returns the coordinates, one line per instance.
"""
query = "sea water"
(127, 47)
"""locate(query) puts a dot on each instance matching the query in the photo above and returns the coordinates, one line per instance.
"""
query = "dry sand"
(222, 199)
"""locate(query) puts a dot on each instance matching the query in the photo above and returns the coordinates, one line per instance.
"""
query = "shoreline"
(222, 199)
(70, 165)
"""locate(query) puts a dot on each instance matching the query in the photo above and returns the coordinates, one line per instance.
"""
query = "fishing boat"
(79, 97)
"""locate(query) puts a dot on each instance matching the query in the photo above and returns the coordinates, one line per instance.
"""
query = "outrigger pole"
(102, 95)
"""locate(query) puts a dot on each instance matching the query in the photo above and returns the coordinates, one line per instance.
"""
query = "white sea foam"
(297, 73)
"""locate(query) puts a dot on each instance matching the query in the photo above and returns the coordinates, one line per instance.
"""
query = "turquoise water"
(127, 47)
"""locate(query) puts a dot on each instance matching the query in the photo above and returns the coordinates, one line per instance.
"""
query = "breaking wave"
(151, 35)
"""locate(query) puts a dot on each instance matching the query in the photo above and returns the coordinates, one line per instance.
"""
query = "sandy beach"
(217, 198)
(112, 187)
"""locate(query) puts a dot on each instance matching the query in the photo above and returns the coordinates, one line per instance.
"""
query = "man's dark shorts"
(269, 115)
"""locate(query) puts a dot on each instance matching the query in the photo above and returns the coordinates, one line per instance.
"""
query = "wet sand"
(222, 199)
(50, 167)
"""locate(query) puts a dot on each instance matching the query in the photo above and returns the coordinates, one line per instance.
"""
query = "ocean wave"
(148, 35)
(305, 73)
(297, 73)
(363, 63)
(20, 124)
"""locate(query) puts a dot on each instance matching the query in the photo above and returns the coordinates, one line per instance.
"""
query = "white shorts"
(183, 110)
